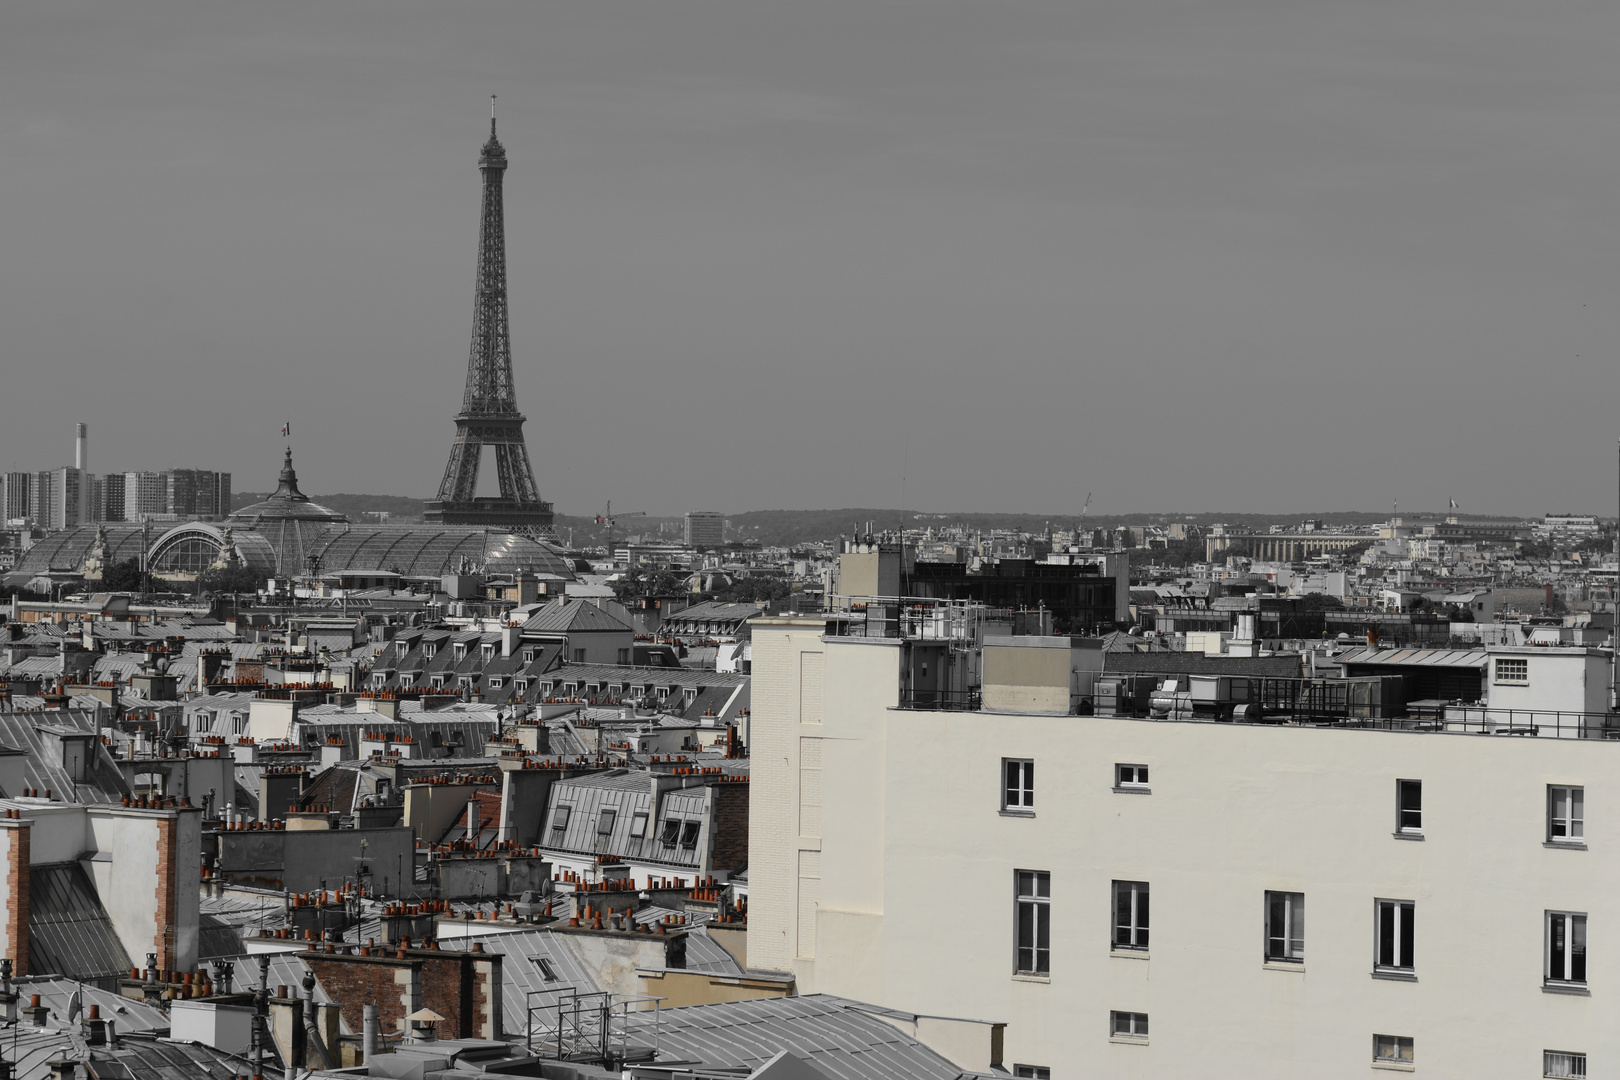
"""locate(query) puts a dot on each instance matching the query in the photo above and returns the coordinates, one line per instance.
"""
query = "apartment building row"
(67, 496)
(1181, 896)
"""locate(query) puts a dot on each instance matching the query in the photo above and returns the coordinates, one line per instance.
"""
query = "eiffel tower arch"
(489, 414)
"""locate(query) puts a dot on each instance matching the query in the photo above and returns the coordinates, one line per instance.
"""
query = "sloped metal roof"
(69, 931)
(840, 1040)
(1468, 658)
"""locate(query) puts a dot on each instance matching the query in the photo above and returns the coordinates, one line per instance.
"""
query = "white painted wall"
(914, 904)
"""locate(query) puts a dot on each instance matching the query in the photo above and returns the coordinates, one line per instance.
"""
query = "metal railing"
(1452, 719)
(589, 1026)
(941, 700)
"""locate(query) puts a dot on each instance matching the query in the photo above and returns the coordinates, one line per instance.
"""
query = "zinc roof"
(69, 932)
(1469, 658)
(829, 1032)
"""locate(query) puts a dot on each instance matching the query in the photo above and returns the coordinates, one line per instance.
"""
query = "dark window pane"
(1386, 934)
(1408, 922)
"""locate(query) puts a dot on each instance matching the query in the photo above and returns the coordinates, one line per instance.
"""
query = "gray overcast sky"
(1189, 256)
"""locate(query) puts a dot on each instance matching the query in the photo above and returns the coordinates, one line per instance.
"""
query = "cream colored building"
(885, 860)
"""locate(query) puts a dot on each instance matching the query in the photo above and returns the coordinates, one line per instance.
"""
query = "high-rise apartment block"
(14, 502)
(705, 529)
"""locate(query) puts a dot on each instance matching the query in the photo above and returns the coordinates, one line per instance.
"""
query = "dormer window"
(401, 648)
(488, 649)
(429, 649)
(528, 656)
(459, 649)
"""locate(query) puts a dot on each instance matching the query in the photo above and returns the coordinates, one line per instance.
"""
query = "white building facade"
(1182, 898)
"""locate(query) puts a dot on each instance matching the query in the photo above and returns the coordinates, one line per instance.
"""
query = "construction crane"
(1080, 528)
(608, 518)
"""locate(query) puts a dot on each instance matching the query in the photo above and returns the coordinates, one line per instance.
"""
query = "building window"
(495, 682)
(1566, 814)
(671, 833)
(638, 825)
(1285, 927)
(1566, 948)
(1409, 806)
(528, 656)
(1018, 786)
(1396, 1049)
(438, 682)
(559, 817)
(1131, 776)
(1130, 915)
(428, 649)
(1128, 1025)
(1396, 919)
(1563, 1065)
(604, 822)
(579, 656)
(1512, 672)
(1033, 922)
(1041, 1072)
(624, 656)
(689, 834)
(547, 972)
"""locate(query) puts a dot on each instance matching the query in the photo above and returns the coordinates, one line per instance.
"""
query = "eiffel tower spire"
(489, 415)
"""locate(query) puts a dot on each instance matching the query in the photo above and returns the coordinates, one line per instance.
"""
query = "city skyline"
(1234, 258)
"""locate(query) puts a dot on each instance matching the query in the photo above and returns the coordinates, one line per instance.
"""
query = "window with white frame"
(1130, 915)
(1566, 814)
(1512, 670)
(1409, 806)
(1128, 1025)
(1018, 784)
(528, 656)
(1563, 1065)
(437, 681)
(1566, 948)
(1393, 949)
(1032, 922)
(1285, 927)
(1392, 1049)
(496, 682)
(1130, 776)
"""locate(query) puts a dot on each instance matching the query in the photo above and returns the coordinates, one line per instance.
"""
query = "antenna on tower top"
(492, 114)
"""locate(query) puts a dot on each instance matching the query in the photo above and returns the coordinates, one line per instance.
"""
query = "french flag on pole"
(286, 428)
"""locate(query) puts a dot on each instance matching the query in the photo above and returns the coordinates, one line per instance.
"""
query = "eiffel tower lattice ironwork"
(489, 414)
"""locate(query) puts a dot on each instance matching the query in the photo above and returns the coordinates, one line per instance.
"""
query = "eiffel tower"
(489, 415)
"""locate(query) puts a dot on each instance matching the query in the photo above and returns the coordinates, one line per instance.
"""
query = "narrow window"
(1396, 920)
(1285, 927)
(1033, 922)
(1566, 812)
(1563, 1065)
(1018, 789)
(604, 822)
(1409, 806)
(1041, 1072)
(579, 656)
(1130, 915)
(624, 656)
(559, 817)
(689, 834)
(1128, 1025)
(547, 972)
(638, 825)
(1393, 1048)
(1566, 948)
(1130, 776)
(671, 833)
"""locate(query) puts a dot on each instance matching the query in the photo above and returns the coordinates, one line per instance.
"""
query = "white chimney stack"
(78, 450)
